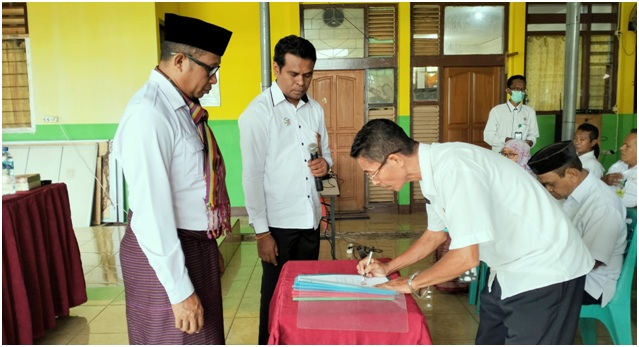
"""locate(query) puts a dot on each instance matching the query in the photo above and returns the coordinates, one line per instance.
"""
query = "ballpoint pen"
(368, 262)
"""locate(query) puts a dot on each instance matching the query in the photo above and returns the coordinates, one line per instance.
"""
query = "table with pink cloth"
(41, 267)
(283, 319)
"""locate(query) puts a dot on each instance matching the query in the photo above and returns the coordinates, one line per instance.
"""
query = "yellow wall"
(516, 38)
(404, 87)
(626, 73)
(240, 70)
(89, 58)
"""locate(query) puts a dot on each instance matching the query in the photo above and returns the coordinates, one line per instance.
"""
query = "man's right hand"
(613, 178)
(375, 268)
(189, 314)
(267, 249)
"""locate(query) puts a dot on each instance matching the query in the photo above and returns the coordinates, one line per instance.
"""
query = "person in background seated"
(594, 209)
(586, 143)
(519, 152)
(494, 212)
(513, 119)
(622, 175)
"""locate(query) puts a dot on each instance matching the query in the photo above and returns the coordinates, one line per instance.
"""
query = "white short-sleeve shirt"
(590, 163)
(484, 198)
(504, 120)
(600, 218)
(628, 189)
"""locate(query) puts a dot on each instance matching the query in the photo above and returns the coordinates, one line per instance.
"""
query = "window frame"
(18, 29)
(355, 63)
(587, 19)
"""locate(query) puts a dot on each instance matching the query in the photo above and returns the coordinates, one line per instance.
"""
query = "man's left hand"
(398, 284)
(319, 167)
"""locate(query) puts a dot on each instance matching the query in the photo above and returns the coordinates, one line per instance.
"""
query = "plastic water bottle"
(8, 175)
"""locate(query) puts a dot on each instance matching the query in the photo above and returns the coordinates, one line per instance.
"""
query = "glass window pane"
(474, 30)
(381, 86)
(426, 83)
(602, 8)
(547, 27)
(547, 8)
(335, 32)
(603, 26)
(552, 27)
(545, 71)
(600, 70)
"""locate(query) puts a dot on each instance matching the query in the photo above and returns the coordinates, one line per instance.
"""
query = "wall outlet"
(50, 119)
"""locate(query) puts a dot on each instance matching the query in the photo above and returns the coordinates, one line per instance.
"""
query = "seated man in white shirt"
(622, 175)
(594, 209)
(586, 143)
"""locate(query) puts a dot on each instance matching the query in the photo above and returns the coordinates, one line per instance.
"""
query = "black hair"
(593, 134)
(294, 45)
(513, 78)
(379, 138)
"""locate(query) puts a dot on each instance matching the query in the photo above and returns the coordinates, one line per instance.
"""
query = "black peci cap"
(552, 157)
(197, 33)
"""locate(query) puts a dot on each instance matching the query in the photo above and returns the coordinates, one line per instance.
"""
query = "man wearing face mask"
(513, 119)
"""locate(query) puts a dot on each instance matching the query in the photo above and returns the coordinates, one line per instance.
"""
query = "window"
(16, 98)
(381, 86)
(350, 31)
(545, 49)
(425, 83)
(473, 30)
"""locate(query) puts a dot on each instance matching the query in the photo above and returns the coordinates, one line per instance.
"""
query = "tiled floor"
(101, 321)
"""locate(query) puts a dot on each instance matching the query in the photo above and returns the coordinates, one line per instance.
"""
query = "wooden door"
(341, 94)
(469, 94)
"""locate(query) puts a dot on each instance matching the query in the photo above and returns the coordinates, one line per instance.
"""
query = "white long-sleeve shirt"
(279, 188)
(162, 156)
(504, 120)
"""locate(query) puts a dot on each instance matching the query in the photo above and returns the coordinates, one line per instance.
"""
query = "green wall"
(227, 133)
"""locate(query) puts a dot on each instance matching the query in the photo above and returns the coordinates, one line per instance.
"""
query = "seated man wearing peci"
(594, 209)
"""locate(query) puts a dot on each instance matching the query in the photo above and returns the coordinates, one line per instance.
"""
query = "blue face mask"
(517, 96)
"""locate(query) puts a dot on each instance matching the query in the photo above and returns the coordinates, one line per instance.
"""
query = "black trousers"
(292, 244)
(589, 300)
(547, 316)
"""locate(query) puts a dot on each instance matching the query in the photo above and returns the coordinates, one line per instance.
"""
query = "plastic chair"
(483, 280)
(616, 315)
(474, 291)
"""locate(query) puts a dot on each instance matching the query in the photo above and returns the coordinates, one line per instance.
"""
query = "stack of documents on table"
(339, 287)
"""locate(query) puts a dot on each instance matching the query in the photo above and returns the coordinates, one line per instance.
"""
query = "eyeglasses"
(519, 90)
(372, 176)
(211, 70)
(509, 155)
